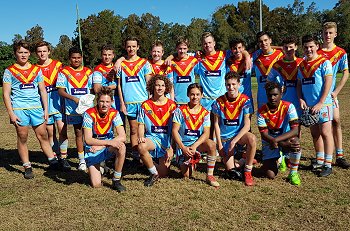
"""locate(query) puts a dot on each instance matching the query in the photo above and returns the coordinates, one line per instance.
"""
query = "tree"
(6, 58)
(60, 52)
(195, 31)
(34, 35)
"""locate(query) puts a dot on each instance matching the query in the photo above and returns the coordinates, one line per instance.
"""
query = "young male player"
(50, 69)
(22, 83)
(154, 129)
(263, 60)
(99, 125)
(73, 82)
(314, 90)
(279, 127)
(132, 79)
(232, 124)
(191, 128)
(183, 67)
(339, 59)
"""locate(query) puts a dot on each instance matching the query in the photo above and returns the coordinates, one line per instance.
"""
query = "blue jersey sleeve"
(61, 81)
(117, 121)
(7, 77)
(177, 117)
(97, 77)
(87, 121)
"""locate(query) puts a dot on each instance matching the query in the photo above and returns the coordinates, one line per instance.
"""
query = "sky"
(59, 17)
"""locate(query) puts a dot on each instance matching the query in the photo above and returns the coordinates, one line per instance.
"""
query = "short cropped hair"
(152, 83)
(194, 85)
(262, 33)
(328, 25)
(272, 85)
(289, 40)
(104, 91)
(21, 43)
(232, 75)
(74, 50)
(206, 35)
(43, 44)
(235, 41)
(107, 47)
(309, 38)
(182, 40)
(157, 43)
(132, 38)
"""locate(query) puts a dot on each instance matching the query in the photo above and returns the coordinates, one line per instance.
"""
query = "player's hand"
(116, 144)
(123, 109)
(46, 115)
(316, 109)
(303, 104)
(141, 140)
(334, 95)
(248, 64)
(273, 144)
(76, 100)
(14, 120)
(94, 149)
(231, 148)
(187, 151)
(169, 155)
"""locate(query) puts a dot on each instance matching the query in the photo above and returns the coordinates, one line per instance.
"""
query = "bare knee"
(142, 149)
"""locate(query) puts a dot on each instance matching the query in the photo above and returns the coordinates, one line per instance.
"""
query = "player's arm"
(141, 133)
(325, 91)
(247, 60)
(168, 59)
(43, 95)
(118, 64)
(176, 137)
(62, 92)
(293, 132)
(241, 133)
(120, 139)
(148, 77)
(300, 95)
(6, 95)
(341, 83)
(218, 134)
(89, 140)
(97, 87)
(202, 138)
(121, 98)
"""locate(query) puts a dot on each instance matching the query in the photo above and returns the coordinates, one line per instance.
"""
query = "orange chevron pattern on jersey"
(237, 66)
(288, 70)
(159, 115)
(133, 68)
(265, 62)
(213, 62)
(308, 68)
(105, 70)
(275, 119)
(184, 67)
(193, 121)
(102, 125)
(232, 110)
(24, 76)
(160, 69)
(334, 55)
(77, 78)
(50, 72)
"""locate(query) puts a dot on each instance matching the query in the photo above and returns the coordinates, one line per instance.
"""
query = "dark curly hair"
(104, 91)
(272, 85)
(152, 82)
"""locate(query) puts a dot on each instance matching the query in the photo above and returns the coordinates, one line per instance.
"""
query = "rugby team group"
(171, 115)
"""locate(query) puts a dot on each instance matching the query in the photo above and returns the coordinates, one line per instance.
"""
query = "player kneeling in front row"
(154, 129)
(191, 128)
(100, 143)
(232, 124)
(279, 127)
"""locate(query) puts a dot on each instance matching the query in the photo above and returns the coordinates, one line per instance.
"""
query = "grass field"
(65, 201)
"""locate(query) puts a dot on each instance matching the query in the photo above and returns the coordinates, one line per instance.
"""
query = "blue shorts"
(207, 102)
(30, 117)
(160, 149)
(269, 153)
(326, 114)
(53, 118)
(97, 157)
(132, 109)
(226, 145)
(74, 119)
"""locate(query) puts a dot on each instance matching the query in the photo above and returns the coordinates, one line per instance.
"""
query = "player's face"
(43, 53)
(289, 50)
(104, 104)
(274, 97)
(310, 50)
(208, 45)
(182, 51)
(329, 35)
(107, 57)
(159, 88)
(75, 60)
(237, 50)
(265, 42)
(131, 47)
(157, 53)
(22, 55)
(232, 86)
(195, 96)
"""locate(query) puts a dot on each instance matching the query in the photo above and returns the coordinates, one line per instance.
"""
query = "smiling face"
(159, 88)
(289, 50)
(22, 55)
(273, 97)
(75, 60)
(310, 50)
(232, 86)
(208, 44)
(195, 96)
(237, 50)
(329, 35)
(131, 48)
(265, 43)
(107, 57)
(42, 53)
(104, 104)
(182, 50)
(157, 53)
